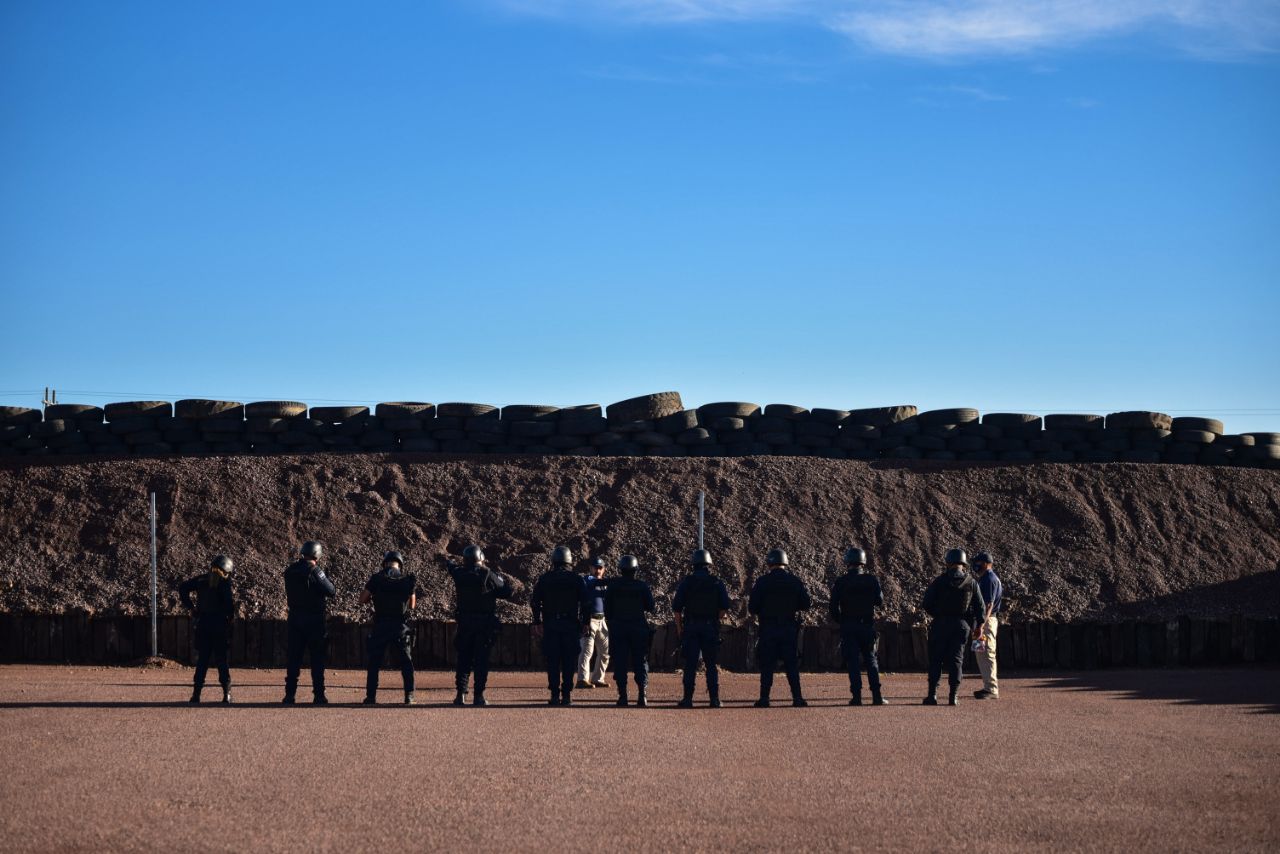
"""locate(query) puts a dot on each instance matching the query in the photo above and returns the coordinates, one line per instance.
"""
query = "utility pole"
(155, 648)
(50, 397)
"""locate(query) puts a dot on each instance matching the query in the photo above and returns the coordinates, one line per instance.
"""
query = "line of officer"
(214, 609)
(776, 599)
(955, 603)
(699, 606)
(556, 604)
(478, 590)
(854, 599)
(626, 601)
(308, 591)
(394, 594)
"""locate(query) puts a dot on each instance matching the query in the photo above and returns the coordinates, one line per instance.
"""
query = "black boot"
(763, 702)
(478, 699)
(877, 699)
(622, 694)
(566, 697)
(369, 700)
(686, 702)
(319, 699)
(715, 698)
(856, 699)
(461, 683)
(952, 696)
(931, 699)
(555, 698)
(641, 699)
(226, 695)
(409, 699)
(195, 696)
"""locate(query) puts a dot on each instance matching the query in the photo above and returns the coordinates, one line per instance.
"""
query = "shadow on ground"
(1185, 686)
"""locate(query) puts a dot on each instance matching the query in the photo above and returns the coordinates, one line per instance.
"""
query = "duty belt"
(599, 616)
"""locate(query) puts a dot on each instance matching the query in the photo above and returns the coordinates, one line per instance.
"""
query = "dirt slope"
(1071, 541)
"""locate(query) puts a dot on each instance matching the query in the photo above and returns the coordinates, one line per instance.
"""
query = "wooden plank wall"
(1184, 642)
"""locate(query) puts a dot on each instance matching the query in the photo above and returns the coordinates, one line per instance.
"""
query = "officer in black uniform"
(776, 598)
(854, 599)
(955, 603)
(214, 609)
(700, 604)
(394, 594)
(479, 588)
(308, 590)
(626, 602)
(558, 621)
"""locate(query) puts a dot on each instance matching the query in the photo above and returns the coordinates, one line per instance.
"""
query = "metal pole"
(155, 649)
(701, 508)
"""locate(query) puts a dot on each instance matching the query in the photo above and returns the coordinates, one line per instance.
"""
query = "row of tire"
(650, 425)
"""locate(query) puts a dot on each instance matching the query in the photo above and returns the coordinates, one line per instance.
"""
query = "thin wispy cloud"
(958, 29)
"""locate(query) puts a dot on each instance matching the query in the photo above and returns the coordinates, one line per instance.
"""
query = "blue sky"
(1041, 206)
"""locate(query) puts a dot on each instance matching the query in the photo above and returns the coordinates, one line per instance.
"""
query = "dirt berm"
(1071, 541)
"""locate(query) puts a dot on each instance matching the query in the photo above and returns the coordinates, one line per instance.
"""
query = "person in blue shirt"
(699, 605)
(557, 604)
(992, 594)
(776, 599)
(595, 630)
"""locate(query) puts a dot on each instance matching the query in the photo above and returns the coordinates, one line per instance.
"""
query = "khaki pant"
(987, 658)
(594, 642)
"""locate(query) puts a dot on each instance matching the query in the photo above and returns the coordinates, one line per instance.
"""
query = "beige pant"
(594, 642)
(987, 658)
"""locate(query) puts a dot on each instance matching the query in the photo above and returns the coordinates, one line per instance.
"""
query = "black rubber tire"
(78, 412)
(1211, 425)
(947, 416)
(1017, 420)
(584, 425)
(678, 422)
(199, 408)
(727, 423)
(135, 408)
(420, 445)
(1231, 440)
(829, 416)
(1198, 437)
(647, 407)
(272, 409)
(786, 410)
(709, 412)
(880, 416)
(1265, 438)
(582, 410)
(652, 439)
(861, 431)
(1138, 420)
(49, 428)
(338, 414)
(1073, 421)
(531, 429)
(467, 410)
(529, 412)
(404, 409)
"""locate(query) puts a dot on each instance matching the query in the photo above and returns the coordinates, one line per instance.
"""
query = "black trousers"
(561, 645)
(394, 634)
(858, 641)
(474, 643)
(947, 637)
(701, 637)
(307, 634)
(213, 640)
(779, 641)
(629, 647)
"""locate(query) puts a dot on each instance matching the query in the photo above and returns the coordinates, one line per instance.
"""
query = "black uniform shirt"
(213, 593)
(558, 596)
(391, 595)
(954, 593)
(627, 600)
(307, 588)
(479, 589)
(700, 596)
(855, 596)
(777, 596)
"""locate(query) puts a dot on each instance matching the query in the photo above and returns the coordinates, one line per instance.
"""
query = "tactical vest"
(302, 597)
(858, 597)
(953, 601)
(560, 595)
(391, 597)
(625, 600)
(475, 597)
(211, 597)
(701, 596)
(779, 598)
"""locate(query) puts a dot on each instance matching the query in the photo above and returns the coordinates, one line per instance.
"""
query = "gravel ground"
(112, 759)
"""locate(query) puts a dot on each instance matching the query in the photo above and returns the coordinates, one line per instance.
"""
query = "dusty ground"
(111, 759)
(1071, 541)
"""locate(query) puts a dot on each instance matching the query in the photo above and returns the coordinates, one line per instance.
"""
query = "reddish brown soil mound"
(1071, 541)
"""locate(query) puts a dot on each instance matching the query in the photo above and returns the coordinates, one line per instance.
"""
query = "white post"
(155, 648)
(701, 508)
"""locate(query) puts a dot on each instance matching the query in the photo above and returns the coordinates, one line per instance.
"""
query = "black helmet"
(854, 556)
(983, 557)
(777, 557)
(393, 557)
(312, 550)
(597, 563)
(956, 556)
(562, 556)
(701, 557)
(472, 555)
(223, 563)
(627, 565)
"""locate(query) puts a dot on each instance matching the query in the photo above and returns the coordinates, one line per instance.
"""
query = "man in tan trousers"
(992, 591)
(595, 631)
